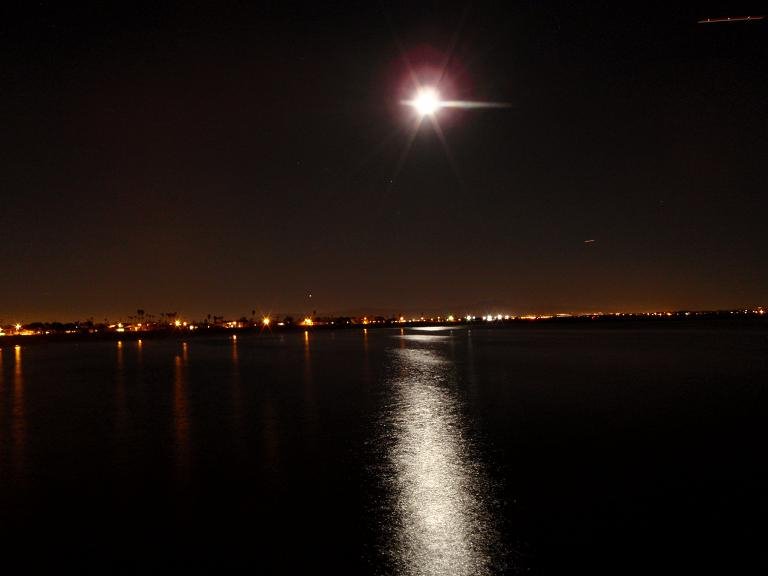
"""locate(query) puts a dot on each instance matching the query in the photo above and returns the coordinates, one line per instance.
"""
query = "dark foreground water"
(531, 450)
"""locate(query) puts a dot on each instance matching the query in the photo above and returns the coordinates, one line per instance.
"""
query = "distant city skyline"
(267, 318)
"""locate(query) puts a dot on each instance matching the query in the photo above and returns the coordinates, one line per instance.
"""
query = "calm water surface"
(526, 450)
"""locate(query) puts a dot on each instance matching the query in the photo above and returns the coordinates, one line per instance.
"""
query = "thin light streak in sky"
(470, 105)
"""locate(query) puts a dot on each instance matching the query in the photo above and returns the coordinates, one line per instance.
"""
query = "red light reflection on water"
(181, 408)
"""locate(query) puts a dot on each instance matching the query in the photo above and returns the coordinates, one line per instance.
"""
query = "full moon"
(426, 102)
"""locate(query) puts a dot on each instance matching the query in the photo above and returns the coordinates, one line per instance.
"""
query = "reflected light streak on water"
(436, 328)
(444, 523)
(237, 400)
(310, 419)
(18, 414)
(139, 360)
(121, 415)
(180, 409)
(307, 364)
(2, 380)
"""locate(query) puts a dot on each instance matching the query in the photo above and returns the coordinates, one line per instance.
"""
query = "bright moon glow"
(427, 101)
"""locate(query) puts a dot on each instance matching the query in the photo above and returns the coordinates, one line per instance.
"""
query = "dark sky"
(227, 157)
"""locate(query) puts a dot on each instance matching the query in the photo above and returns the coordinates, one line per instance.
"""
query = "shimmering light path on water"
(440, 492)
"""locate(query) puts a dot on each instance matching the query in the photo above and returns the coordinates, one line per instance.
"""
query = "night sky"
(223, 158)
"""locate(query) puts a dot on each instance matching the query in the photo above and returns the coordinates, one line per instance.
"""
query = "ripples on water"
(397, 452)
(439, 515)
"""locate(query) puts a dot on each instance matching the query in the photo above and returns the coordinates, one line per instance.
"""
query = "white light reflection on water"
(437, 328)
(443, 520)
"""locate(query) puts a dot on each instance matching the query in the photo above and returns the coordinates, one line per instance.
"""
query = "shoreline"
(719, 321)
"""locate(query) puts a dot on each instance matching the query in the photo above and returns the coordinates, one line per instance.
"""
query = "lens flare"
(427, 101)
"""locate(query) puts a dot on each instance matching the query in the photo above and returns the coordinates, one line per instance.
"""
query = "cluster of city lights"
(266, 322)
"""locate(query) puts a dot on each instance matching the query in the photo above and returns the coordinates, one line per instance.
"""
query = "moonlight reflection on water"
(442, 520)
